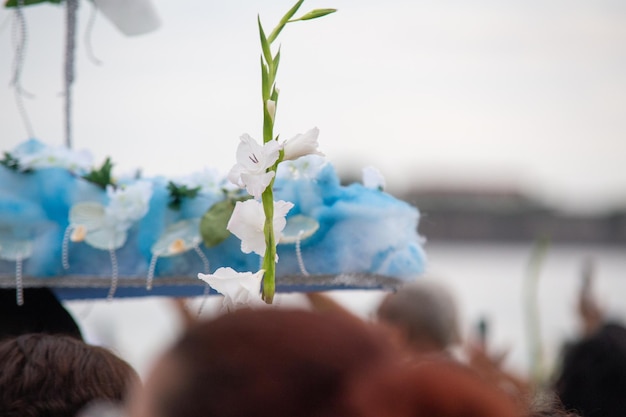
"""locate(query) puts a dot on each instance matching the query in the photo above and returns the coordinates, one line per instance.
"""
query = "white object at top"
(131, 17)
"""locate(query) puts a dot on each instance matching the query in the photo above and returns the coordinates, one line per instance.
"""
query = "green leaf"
(178, 192)
(14, 3)
(10, 162)
(274, 96)
(101, 177)
(268, 125)
(284, 21)
(213, 224)
(274, 67)
(314, 14)
(265, 82)
(265, 46)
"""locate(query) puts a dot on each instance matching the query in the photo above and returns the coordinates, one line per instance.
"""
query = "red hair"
(270, 363)
(430, 388)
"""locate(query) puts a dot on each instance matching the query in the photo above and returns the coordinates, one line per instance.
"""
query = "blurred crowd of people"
(411, 361)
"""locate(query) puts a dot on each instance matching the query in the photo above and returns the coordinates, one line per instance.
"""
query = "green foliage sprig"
(178, 193)
(15, 3)
(10, 162)
(102, 176)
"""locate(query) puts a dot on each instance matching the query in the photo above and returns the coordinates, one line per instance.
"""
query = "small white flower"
(372, 178)
(253, 160)
(177, 238)
(128, 203)
(89, 223)
(307, 167)
(209, 180)
(106, 227)
(60, 157)
(238, 288)
(247, 223)
(301, 145)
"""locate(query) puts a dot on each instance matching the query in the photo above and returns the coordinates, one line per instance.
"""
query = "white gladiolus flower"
(238, 288)
(248, 220)
(253, 160)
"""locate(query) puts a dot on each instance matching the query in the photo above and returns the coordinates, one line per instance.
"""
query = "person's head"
(42, 312)
(425, 313)
(433, 387)
(56, 376)
(592, 379)
(266, 362)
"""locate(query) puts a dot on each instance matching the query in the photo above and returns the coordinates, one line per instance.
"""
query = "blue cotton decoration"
(346, 229)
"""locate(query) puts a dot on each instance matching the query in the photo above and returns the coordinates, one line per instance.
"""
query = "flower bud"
(314, 14)
(271, 108)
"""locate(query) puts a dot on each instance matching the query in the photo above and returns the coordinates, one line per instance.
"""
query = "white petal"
(177, 238)
(281, 208)
(256, 184)
(246, 223)
(253, 160)
(129, 203)
(106, 238)
(256, 158)
(234, 175)
(90, 215)
(271, 152)
(301, 145)
(237, 287)
(250, 154)
(15, 249)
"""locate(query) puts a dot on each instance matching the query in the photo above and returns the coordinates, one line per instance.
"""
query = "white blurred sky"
(528, 94)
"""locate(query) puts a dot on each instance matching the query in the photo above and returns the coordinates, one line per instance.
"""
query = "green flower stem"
(268, 74)
(284, 21)
(269, 264)
(269, 260)
(269, 68)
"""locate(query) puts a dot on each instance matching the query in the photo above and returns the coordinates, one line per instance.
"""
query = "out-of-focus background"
(503, 122)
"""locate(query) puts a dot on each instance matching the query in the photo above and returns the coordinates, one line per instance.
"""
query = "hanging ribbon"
(70, 46)
(19, 41)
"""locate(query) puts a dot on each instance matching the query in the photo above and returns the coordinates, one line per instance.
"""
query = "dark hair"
(592, 380)
(270, 363)
(42, 312)
(549, 405)
(55, 376)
